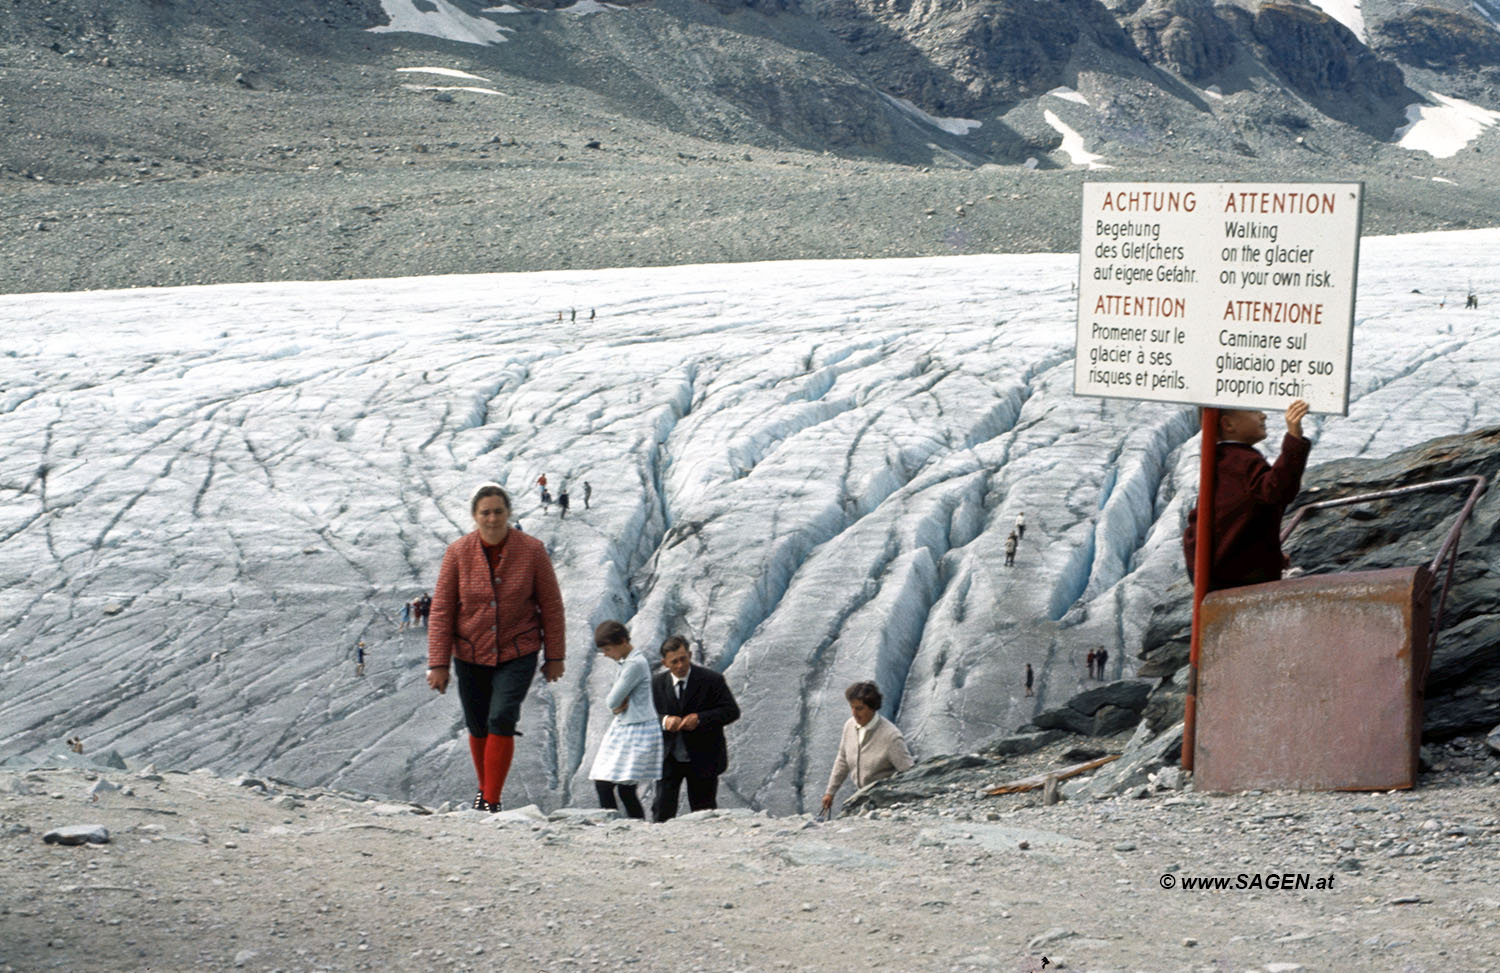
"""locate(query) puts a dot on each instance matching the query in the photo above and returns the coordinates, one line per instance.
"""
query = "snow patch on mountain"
(953, 126)
(442, 19)
(1446, 128)
(1072, 144)
(1347, 12)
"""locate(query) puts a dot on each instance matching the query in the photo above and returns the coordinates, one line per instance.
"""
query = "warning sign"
(1238, 295)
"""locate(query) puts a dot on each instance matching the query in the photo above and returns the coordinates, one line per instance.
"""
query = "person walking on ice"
(1020, 525)
(359, 658)
(562, 503)
(588, 491)
(1030, 680)
(1010, 549)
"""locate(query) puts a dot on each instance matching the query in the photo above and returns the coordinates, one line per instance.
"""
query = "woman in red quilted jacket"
(496, 610)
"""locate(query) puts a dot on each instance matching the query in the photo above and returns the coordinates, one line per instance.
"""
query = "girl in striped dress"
(631, 750)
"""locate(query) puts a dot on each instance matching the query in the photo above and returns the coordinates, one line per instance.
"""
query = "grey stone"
(1065, 718)
(584, 815)
(1109, 720)
(244, 956)
(530, 814)
(1055, 934)
(1126, 693)
(78, 834)
(1493, 739)
(1169, 778)
(1018, 744)
(1133, 769)
(102, 786)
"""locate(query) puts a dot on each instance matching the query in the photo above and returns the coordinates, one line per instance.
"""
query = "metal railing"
(1445, 553)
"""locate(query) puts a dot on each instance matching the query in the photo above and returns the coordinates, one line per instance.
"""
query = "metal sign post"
(1220, 295)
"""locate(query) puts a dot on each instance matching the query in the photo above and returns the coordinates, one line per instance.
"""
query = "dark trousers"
(703, 790)
(491, 695)
(629, 802)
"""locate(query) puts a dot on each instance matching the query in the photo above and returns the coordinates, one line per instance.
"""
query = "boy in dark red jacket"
(1250, 495)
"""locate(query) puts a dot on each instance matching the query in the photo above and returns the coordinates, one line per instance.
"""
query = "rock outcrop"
(1463, 687)
(1442, 40)
(958, 58)
(1187, 36)
(1322, 61)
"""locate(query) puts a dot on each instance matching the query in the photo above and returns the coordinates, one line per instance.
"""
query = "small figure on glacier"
(1030, 680)
(1020, 525)
(1092, 656)
(588, 491)
(405, 617)
(359, 658)
(1010, 549)
(1100, 657)
(546, 500)
(562, 503)
(1250, 497)
(424, 608)
(1472, 301)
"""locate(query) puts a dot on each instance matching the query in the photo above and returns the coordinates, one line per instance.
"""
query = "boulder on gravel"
(78, 834)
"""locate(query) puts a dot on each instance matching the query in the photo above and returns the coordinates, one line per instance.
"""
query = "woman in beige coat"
(870, 748)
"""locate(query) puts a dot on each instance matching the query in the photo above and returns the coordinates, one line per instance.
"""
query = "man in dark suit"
(695, 705)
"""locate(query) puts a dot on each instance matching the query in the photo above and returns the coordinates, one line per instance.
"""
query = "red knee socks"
(498, 751)
(476, 750)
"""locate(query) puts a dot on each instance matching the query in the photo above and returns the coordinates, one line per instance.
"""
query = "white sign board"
(1237, 295)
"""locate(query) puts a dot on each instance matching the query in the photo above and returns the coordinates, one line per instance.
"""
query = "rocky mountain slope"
(169, 142)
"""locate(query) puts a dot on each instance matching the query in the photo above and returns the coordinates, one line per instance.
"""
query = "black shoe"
(493, 807)
(479, 802)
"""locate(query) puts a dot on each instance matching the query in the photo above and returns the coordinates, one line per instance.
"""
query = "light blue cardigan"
(633, 683)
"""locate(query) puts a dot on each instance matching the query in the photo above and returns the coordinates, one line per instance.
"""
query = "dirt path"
(206, 873)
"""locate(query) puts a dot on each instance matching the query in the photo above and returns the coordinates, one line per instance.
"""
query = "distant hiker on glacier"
(1472, 301)
(497, 609)
(1092, 656)
(1100, 657)
(1250, 496)
(588, 491)
(359, 658)
(1010, 549)
(1020, 525)
(1030, 680)
(562, 503)
(405, 617)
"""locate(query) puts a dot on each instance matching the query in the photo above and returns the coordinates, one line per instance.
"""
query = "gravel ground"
(211, 873)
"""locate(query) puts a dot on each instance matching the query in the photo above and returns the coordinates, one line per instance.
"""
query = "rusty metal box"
(1313, 683)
